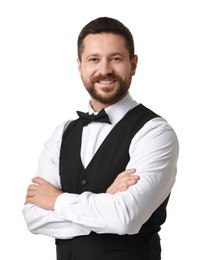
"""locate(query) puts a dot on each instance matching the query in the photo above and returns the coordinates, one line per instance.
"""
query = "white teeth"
(106, 81)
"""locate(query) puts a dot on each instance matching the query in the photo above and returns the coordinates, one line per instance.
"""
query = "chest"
(108, 160)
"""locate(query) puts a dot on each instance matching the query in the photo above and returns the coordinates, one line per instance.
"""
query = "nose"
(105, 67)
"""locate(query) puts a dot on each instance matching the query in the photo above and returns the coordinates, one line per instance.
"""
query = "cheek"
(87, 73)
(123, 69)
(129, 72)
(125, 73)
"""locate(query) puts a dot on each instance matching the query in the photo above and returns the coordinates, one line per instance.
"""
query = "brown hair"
(106, 25)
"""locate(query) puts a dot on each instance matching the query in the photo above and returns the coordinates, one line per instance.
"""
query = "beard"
(108, 96)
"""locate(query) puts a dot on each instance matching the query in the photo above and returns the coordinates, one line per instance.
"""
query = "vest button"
(83, 182)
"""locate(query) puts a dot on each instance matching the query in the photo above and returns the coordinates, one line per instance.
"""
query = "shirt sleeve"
(47, 222)
(154, 154)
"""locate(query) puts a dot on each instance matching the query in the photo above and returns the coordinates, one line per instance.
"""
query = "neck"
(98, 106)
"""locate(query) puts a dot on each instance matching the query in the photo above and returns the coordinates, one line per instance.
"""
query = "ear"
(79, 64)
(134, 62)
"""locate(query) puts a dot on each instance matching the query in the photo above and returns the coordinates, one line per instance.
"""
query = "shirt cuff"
(62, 205)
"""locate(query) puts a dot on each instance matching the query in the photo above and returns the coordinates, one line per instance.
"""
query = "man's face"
(105, 67)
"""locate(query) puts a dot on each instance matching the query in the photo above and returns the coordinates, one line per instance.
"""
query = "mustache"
(110, 76)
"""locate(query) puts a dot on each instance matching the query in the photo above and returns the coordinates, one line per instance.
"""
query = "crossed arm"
(127, 203)
(43, 194)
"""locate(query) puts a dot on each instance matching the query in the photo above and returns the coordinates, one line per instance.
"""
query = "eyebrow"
(112, 54)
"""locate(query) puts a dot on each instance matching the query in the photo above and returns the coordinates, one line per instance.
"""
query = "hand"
(123, 181)
(42, 193)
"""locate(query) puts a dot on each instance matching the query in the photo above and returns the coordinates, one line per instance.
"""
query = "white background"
(40, 88)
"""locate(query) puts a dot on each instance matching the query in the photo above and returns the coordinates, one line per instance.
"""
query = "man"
(104, 179)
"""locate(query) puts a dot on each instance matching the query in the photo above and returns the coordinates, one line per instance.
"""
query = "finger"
(135, 177)
(127, 172)
(30, 194)
(123, 183)
(132, 182)
(124, 178)
(29, 200)
(38, 180)
(133, 170)
(32, 187)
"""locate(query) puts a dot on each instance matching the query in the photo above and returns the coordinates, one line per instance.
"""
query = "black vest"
(111, 158)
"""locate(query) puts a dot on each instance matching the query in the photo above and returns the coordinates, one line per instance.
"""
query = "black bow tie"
(100, 117)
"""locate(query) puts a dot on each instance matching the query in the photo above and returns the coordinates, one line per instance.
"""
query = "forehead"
(104, 42)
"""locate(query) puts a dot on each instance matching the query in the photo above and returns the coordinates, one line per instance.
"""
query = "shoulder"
(56, 136)
(159, 131)
(158, 124)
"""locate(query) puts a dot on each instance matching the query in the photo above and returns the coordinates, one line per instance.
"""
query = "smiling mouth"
(106, 81)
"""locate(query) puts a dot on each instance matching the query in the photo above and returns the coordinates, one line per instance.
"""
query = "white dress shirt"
(153, 152)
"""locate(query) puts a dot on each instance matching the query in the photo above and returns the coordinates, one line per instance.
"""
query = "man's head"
(106, 60)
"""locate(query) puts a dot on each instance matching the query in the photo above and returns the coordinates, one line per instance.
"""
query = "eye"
(116, 58)
(93, 60)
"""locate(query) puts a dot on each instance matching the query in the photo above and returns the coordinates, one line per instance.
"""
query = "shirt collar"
(118, 110)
